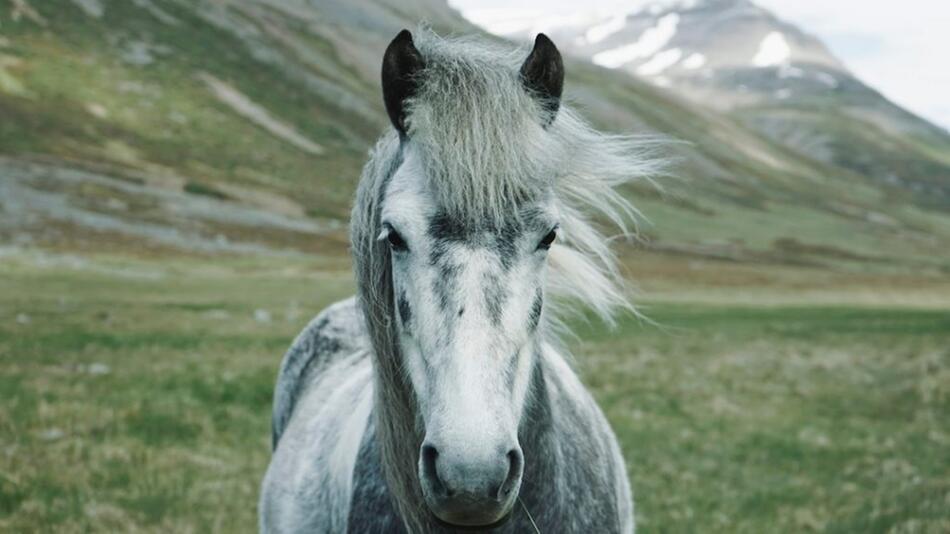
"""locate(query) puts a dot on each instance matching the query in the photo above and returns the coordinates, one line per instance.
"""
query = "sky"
(899, 48)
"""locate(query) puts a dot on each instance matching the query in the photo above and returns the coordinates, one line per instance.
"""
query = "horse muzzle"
(470, 490)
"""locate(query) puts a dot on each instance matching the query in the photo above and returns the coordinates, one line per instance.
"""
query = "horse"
(439, 397)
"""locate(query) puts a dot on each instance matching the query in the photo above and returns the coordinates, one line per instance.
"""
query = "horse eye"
(396, 242)
(548, 240)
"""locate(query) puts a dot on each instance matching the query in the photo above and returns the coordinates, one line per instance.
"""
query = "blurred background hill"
(775, 78)
(241, 126)
(175, 185)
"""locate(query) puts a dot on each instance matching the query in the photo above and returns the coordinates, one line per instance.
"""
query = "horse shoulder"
(322, 406)
(334, 333)
(589, 450)
(309, 483)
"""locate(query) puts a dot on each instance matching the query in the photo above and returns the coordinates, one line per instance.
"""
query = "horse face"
(468, 300)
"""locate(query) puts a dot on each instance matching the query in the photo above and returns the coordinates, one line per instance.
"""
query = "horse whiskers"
(525, 508)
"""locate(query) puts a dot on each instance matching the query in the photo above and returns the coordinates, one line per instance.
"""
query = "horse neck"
(538, 441)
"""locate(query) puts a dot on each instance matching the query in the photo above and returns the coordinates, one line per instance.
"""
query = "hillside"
(739, 58)
(241, 126)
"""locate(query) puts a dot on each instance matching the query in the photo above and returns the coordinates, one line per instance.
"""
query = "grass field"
(136, 397)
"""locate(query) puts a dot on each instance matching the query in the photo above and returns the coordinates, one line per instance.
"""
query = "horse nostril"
(429, 470)
(515, 461)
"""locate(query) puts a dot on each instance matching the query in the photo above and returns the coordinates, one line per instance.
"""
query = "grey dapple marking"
(394, 411)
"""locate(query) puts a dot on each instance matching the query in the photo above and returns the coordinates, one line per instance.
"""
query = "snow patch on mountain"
(660, 62)
(652, 41)
(694, 61)
(773, 50)
(598, 33)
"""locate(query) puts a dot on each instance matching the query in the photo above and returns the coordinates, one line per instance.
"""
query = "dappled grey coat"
(347, 422)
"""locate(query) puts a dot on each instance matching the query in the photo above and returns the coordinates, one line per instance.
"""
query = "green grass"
(137, 397)
(781, 419)
(139, 403)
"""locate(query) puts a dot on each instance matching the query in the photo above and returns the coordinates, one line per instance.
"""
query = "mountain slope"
(264, 104)
(119, 114)
(737, 57)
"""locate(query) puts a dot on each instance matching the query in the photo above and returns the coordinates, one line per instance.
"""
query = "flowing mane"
(484, 148)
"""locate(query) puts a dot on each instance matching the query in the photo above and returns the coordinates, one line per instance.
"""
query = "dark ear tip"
(544, 48)
(542, 73)
(543, 40)
(403, 36)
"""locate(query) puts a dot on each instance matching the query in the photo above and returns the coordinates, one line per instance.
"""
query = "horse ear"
(401, 65)
(543, 75)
